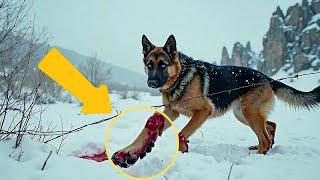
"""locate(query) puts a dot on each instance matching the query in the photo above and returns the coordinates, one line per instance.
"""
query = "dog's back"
(224, 84)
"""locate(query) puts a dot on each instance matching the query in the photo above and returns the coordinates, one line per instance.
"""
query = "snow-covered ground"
(217, 145)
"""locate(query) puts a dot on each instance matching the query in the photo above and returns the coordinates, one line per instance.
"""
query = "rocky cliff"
(292, 42)
(241, 56)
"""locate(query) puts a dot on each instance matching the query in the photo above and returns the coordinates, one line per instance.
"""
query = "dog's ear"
(147, 45)
(170, 46)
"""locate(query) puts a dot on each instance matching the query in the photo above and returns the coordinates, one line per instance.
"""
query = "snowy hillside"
(213, 149)
(131, 77)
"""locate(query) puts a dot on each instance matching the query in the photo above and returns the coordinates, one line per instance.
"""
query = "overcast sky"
(113, 28)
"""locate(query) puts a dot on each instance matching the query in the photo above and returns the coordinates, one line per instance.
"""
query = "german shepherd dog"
(201, 90)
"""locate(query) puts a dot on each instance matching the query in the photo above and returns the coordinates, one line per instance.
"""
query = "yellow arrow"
(57, 67)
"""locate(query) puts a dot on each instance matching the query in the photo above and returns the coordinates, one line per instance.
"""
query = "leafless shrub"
(124, 94)
(96, 71)
(21, 84)
(135, 95)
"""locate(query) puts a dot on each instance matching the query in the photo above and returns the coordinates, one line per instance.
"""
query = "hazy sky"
(113, 28)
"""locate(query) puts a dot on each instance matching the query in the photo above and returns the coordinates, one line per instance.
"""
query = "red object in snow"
(96, 157)
(154, 127)
(183, 140)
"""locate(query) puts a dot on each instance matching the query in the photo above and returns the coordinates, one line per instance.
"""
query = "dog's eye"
(163, 66)
(149, 65)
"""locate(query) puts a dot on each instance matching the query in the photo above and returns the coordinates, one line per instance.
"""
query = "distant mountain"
(292, 42)
(241, 56)
(120, 75)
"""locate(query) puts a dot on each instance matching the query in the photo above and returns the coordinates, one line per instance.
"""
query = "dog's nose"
(153, 83)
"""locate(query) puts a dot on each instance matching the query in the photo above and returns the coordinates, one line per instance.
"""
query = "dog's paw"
(142, 145)
(254, 147)
(129, 155)
(183, 143)
(262, 148)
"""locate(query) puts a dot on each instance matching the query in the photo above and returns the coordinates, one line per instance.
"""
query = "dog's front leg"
(143, 144)
(197, 119)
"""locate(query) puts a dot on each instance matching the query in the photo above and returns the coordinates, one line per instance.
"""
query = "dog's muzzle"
(153, 83)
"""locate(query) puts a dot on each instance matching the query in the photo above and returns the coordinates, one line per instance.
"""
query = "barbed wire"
(241, 87)
(59, 134)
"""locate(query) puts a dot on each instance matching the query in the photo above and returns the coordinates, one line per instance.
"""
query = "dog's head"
(161, 63)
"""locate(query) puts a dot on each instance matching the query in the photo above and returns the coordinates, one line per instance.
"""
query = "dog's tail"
(296, 98)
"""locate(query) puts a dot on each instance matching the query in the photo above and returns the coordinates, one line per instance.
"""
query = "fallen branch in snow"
(81, 127)
(45, 162)
(56, 134)
(230, 171)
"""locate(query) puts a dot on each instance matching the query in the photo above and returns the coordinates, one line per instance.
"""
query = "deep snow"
(214, 147)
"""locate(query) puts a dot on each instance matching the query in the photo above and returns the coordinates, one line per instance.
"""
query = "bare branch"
(45, 162)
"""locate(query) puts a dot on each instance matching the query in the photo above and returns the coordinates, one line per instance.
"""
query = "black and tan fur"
(202, 90)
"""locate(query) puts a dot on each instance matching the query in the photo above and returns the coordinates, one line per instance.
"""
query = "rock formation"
(292, 42)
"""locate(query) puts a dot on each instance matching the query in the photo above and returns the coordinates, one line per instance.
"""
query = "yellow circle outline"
(117, 168)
